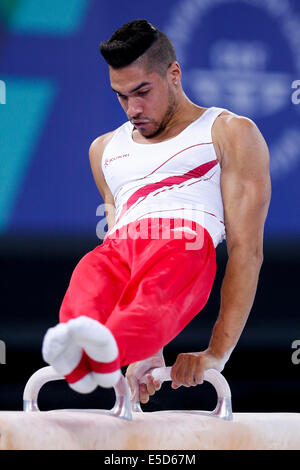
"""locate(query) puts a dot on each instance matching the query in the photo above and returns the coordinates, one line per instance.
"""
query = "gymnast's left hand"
(137, 370)
(189, 368)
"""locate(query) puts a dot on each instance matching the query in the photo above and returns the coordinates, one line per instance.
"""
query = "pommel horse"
(127, 427)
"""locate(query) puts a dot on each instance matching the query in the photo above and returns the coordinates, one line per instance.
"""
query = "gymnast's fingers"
(134, 387)
(149, 388)
(143, 393)
(187, 370)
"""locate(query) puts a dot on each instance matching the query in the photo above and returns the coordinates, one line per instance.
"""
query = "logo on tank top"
(108, 161)
(249, 65)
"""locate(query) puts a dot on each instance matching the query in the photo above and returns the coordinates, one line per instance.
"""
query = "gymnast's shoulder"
(98, 145)
(238, 135)
(96, 151)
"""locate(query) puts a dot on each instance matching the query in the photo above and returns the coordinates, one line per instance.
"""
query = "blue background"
(58, 98)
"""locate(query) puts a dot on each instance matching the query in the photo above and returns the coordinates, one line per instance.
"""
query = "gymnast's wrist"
(221, 357)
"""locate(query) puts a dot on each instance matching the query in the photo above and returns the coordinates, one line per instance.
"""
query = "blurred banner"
(55, 97)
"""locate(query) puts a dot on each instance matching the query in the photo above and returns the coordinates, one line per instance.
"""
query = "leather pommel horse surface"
(157, 430)
(125, 427)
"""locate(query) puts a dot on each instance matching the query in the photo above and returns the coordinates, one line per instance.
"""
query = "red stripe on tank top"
(143, 192)
(170, 158)
(178, 153)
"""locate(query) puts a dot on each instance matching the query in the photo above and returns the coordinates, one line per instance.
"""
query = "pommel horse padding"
(126, 427)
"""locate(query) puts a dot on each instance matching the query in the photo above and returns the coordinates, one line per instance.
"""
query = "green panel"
(7, 9)
(22, 120)
(2, 92)
(49, 16)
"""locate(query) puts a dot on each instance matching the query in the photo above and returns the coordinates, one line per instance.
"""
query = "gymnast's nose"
(134, 108)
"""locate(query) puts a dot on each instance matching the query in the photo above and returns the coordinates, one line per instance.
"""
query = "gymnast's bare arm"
(246, 192)
(95, 155)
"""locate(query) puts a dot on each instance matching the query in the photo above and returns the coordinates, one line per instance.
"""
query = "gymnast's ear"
(174, 73)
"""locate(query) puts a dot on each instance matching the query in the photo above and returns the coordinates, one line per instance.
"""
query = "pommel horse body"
(127, 427)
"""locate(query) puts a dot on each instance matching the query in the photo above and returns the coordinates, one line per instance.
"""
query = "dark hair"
(139, 39)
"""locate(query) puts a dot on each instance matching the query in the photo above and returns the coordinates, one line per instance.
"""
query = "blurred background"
(55, 99)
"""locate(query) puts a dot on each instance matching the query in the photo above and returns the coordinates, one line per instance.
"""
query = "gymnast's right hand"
(141, 392)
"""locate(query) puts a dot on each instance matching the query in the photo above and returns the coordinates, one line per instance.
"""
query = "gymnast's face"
(148, 98)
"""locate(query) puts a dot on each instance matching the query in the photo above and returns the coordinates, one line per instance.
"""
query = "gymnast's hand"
(189, 368)
(135, 371)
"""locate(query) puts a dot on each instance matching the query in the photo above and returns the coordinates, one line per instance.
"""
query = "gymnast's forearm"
(237, 296)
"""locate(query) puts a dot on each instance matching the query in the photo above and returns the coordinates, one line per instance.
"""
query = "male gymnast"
(176, 180)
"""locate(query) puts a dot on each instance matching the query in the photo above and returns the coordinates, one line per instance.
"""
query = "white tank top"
(176, 178)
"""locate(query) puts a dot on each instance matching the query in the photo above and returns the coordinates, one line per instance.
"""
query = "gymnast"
(176, 179)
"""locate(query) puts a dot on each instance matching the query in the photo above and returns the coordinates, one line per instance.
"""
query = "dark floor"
(261, 373)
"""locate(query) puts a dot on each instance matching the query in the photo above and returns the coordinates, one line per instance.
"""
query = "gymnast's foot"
(64, 355)
(100, 346)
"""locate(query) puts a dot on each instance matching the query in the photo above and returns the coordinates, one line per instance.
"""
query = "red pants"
(145, 290)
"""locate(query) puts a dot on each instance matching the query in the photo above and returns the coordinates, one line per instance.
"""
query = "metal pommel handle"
(34, 384)
(211, 375)
(223, 409)
(121, 409)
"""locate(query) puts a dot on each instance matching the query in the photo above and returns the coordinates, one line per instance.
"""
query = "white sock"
(63, 354)
(99, 344)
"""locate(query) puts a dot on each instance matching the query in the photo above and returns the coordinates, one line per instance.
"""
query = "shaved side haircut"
(139, 42)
